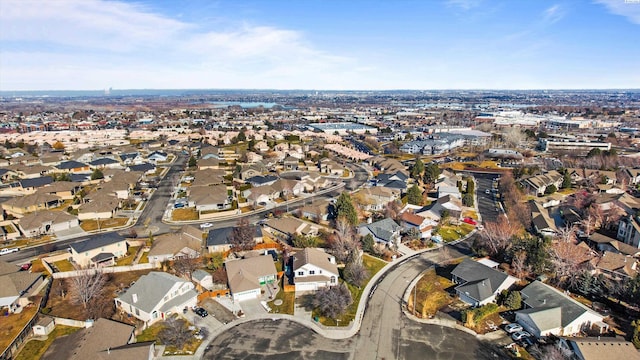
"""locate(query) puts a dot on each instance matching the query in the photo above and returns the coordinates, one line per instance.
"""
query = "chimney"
(135, 298)
(369, 221)
(544, 301)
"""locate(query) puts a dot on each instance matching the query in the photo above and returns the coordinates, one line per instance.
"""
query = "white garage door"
(247, 295)
(306, 287)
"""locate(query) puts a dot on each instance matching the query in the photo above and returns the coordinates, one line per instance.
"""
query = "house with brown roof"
(246, 277)
(172, 246)
(316, 212)
(600, 348)
(208, 177)
(17, 286)
(422, 224)
(99, 206)
(46, 222)
(376, 198)
(209, 163)
(617, 266)
(104, 340)
(538, 184)
(288, 227)
(22, 205)
(207, 198)
(65, 190)
(313, 269)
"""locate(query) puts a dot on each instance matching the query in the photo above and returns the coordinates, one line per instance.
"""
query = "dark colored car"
(202, 312)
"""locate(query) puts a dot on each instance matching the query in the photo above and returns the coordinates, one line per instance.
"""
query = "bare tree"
(242, 237)
(220, 275)
(513, 136)
(549, 352)
(612, 217)
(355, 273)
(86, 286)
(185, 266)
(566, 258)
(519, 263)
(592, 219)
(343, 242)
(497, 235)
(175, 332)
(332, 301)
(567, 234)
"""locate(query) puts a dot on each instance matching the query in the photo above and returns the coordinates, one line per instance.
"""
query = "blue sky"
(331, 44)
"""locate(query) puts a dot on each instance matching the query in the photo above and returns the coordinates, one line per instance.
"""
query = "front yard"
(91, 225)
(373, 265)
(431, 294)
(288, 300)
(454, 232)
(151, 334)
(184, 214)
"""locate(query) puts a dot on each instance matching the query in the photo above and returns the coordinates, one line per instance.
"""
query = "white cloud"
(83, 44)
(553, 14)
(628, 9)
(464, 4)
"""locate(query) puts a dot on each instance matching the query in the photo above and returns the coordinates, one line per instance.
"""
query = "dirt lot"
(62, 306)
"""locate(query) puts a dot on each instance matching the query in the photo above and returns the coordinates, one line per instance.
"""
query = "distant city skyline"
(333, 45)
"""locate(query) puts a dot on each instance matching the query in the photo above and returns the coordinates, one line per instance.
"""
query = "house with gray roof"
(547, 311)
(385, 231)
(478, 284)
(157, 295)
(17, 286)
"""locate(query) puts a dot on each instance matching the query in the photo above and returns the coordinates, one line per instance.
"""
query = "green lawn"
(144, 259)
(454, 232)
(288, 302)
(64, 265)
(34, 349)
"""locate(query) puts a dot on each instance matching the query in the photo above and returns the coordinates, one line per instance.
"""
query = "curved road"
(385, 332)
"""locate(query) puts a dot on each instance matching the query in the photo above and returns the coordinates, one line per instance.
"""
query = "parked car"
(8, 251)
(178, 205)
(206, 225)
(25, 267)
(201, 312)
(520, 335)
(470, 221)
(513, 328)
(487, 191)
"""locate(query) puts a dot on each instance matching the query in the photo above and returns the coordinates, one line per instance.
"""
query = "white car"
(513, 328)
(520, 335)
(206, 225)
(8, 251)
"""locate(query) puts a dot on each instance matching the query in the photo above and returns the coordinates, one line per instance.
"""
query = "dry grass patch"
(431, 294)
(64, 265)
(34, 349)
(12, 324)
(470, 213)
(184, 214)
(132, 251)
(91, 225)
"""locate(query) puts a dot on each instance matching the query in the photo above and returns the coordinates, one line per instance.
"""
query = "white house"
(157, 295)
(547, 311)
(313, 269)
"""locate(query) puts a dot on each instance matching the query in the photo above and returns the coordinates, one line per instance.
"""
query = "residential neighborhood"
(153, 234)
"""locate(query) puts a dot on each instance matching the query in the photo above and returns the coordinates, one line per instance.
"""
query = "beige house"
(173, 246)
(98, 251)
(19, 206)
(102, 206)
(46, 222)
(246, 277)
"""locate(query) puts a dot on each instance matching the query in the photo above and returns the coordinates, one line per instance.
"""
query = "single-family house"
(316, 212)
(330, 167)
(105, 163)
(172, 246)
(31, 185)
(143, 167)
(158, 156)
(156, 296)
(100, 206)
(22, 205)
(599, 348)
(617, 266)
(538, 184)
(314, 269)
(17, 287)
(422, 224)
(290, 163)
(547, 311)
(478, 284)
(218, 240)
(260, 180)
(65, 190)
(376, 198)
(209, 163)
(385, 231)
(287, 228)
(72, 166)
(628, 231)
(46, 222)
(104, 340)
(207, 198)
(247, 276)
(542, 221)
(100, 250)
(203, 279)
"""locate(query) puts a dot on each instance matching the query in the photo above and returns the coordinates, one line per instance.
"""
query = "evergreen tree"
(417, 169)
(345, 208)
(414, 195)
(192, 162)
(368, 244)
(431, 173)
(97, 174)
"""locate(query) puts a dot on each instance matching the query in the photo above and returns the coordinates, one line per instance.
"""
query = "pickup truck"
(8, 251)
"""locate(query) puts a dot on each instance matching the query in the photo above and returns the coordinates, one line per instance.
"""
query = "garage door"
(247, 295)
(306, 287)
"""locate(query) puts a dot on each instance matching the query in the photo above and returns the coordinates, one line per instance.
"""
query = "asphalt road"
(385, 332)
(486, 202)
